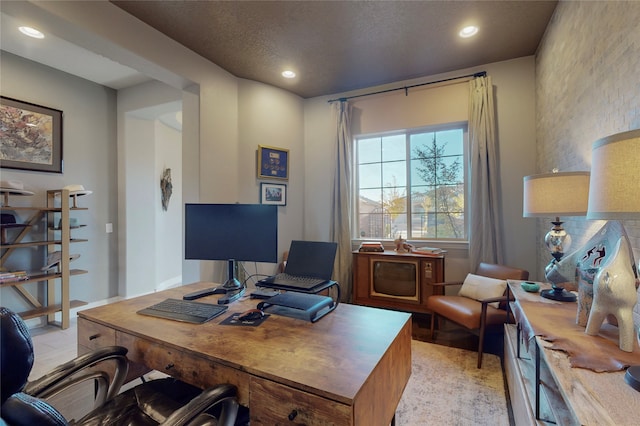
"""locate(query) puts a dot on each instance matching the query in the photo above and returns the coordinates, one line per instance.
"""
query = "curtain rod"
(406, 88)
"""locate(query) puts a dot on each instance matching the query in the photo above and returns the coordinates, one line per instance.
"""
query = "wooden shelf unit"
(58, 238)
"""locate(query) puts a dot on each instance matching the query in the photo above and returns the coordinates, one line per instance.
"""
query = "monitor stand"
(232, 288)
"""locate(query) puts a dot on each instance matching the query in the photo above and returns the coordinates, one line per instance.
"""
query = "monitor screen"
(243, 232)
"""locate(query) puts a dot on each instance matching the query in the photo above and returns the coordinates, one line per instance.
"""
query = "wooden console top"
(590, 397)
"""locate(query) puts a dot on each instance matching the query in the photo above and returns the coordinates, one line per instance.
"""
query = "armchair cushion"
(478, 287)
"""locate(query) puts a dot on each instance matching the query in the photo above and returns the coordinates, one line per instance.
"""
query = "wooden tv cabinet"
(430, 270)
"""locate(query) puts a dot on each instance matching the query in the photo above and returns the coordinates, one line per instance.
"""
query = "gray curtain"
(485, 240)
(341, 197)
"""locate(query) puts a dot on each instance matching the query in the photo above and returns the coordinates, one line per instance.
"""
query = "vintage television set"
(396, 280)
(231, 233)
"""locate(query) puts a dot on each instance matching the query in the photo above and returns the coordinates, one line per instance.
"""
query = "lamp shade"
(614, 192)
(556, 194)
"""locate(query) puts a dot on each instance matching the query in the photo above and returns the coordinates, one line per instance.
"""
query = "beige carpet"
(446, 388)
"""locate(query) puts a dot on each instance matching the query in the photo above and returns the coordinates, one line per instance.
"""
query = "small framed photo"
(273, 163)
(273, 193)
(31, 136)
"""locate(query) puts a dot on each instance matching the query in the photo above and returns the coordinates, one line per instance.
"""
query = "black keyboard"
(184, 310)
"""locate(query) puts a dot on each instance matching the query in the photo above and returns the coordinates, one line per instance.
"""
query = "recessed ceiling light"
(288, 74)
(31, 32)
(468, 31)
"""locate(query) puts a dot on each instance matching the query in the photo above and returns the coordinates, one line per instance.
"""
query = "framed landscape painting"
(31, 136)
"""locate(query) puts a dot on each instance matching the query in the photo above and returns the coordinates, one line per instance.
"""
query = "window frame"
(463, 125)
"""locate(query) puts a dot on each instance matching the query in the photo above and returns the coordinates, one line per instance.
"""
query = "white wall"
(272, 117)
(587, 89)
(230, 117)
(89, 154)
(143, 147)
(168, 231)
(515, 115)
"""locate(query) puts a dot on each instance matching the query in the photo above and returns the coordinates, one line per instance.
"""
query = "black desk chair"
(164, 401)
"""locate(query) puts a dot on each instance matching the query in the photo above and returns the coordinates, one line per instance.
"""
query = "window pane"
(449, 199)
(395, 201)
(394, 148)
(394, 173)
(369, 150)
(420, 141)
(423, 225)
(418, 177)
(423, 199)
(449, 170)
(370, 197)
(415, 191)
(451, 140)
(450, 225)
(370, 175)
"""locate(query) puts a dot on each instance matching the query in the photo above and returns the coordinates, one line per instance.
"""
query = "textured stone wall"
(587, 87)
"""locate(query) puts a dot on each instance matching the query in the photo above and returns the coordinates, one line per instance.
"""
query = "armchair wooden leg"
(483, 325)
(480, 347)
(433, 323)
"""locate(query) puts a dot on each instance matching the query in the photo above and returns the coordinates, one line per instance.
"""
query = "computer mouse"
(251, 315)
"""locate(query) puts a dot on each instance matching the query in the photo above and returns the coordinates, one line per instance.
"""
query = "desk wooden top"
(333, 357)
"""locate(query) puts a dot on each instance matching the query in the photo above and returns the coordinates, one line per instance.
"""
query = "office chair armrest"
(61, 376)
(190, 414)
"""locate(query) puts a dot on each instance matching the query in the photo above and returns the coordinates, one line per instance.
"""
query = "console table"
(543, 386)
(349, 368)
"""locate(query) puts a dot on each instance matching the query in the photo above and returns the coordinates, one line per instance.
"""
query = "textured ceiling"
(337, 46)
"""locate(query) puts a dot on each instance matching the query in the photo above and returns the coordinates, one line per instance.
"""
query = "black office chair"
(163, 401)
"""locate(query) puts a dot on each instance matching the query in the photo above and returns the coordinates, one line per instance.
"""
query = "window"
(412, 184)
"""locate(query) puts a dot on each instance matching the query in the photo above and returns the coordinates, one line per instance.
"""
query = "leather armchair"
(478, 316)
(164, 401)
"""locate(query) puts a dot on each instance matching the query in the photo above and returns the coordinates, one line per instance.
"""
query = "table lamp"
(614, 193)
(554, 195)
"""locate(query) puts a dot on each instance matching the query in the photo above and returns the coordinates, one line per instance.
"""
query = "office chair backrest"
(16, 361)
(16, 351)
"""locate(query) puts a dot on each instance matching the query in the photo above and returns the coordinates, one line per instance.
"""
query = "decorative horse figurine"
(614, 292)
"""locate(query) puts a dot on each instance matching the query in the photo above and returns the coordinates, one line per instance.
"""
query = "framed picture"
(273, 193)
(273, 163)
(31, 136)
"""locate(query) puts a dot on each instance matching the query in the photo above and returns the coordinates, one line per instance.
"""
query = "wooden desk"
(565, 395)
(349, 368)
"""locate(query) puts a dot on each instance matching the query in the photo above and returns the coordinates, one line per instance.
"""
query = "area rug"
(447, 388)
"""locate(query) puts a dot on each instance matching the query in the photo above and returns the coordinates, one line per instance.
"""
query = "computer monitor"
(231, 232)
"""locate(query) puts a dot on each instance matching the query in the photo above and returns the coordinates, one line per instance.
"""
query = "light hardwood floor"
(53, 346)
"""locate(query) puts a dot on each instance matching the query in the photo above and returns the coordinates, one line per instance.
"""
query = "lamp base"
(559, 294)
(632, 377)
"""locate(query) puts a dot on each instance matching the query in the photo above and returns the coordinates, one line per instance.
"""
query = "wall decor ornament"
(166, 187)
(273, 193)
(31, 136)
(273, 163)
